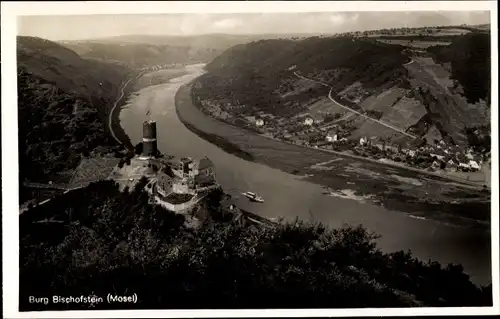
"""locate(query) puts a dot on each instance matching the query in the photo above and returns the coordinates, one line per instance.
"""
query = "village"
(332, 132)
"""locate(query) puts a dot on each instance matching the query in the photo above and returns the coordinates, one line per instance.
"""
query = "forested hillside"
(96, 241)
(470, 58)
(250, 73)
(63, 104)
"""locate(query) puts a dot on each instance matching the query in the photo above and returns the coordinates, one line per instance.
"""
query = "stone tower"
(149, 143)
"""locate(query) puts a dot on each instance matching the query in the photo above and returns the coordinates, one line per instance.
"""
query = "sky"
(100, 26)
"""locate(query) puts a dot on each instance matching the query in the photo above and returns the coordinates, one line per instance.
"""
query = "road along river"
(289, 196)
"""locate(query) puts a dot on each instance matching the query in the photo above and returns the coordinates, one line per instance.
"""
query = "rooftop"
(205, 163)
(185, 160)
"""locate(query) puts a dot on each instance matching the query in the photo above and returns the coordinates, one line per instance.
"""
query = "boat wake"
(348, 194)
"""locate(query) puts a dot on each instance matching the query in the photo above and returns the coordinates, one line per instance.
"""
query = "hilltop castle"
(178, 184)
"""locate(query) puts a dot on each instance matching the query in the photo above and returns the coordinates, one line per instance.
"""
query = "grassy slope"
(64, 102)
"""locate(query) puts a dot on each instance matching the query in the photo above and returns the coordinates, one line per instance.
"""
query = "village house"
(332, 136)
(363, 141)
(474, 165)
(463, 167)
(409, 152)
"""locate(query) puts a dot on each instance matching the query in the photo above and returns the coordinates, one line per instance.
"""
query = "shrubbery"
(113, 242)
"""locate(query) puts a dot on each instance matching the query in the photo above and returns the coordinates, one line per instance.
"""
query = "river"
(288, 196)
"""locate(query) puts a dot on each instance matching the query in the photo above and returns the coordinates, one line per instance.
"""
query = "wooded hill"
(260, 76)
(63, 105)
(137, 55)
(250, 73)
(470, 58)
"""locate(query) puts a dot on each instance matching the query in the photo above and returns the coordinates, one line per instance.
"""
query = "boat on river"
(253, 197)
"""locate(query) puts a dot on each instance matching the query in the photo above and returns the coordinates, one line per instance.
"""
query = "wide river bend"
(288, 196)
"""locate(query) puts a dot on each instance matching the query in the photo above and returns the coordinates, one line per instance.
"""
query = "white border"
(9, 11)
(158, 7)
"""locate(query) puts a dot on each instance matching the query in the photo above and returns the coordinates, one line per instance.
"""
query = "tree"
(116, 242)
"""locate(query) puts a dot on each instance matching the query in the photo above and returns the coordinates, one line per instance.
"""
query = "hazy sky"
(98, 26)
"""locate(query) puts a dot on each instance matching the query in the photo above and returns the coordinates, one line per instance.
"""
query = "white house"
(362, 141)
(259, 122)
(474, 165)
(308, 121)
(463, 166)
(410, 153)
(331, 137)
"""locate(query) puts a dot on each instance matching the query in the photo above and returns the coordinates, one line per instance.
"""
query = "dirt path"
(110, 123)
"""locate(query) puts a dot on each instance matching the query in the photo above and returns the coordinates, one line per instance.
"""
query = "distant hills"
(63, 104)
(217, 41)
(136, 55)
(147, 50)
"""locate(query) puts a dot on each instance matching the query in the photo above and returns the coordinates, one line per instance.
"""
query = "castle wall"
(179, 208)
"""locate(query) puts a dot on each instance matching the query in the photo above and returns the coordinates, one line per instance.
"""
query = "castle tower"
(149, 144)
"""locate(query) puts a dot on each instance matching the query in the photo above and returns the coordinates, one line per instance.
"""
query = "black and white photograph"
(206, 159)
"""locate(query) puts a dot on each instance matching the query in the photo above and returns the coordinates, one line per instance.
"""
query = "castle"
(178, 184)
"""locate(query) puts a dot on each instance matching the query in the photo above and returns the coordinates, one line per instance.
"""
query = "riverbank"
(221, 142)
(391, 186)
